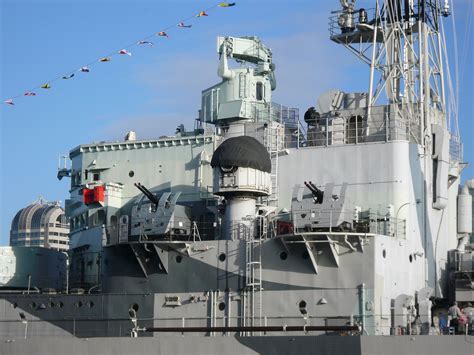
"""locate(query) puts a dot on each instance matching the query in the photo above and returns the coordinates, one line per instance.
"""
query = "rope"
(185, 22)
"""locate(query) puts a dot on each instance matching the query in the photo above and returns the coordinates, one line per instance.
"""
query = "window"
(259, 91)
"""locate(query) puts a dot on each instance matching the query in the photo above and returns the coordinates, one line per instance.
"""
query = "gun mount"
(320, 210)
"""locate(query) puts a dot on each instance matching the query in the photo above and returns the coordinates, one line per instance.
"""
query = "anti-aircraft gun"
(320, 210)
(155, 218)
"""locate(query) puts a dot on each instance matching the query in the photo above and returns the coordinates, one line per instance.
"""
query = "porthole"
(384, 253)
(51, 304)
(302, 304)
(410, 258)
(131, 173)
(283, 255)
(221, 306)
(179, 258)
(78, 304)
(222, 257)
(33, 305)
(135, 307)
(14, 305)
(90, 304)
(60, 304)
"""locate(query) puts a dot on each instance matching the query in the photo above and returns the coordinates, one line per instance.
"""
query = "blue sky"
(157, 87)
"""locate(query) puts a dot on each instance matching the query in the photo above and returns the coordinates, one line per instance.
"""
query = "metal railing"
(122, 327)
(350, 23)
(249, 228)
(456, 149)
(372, 223)
(275, 112)
(348, 128)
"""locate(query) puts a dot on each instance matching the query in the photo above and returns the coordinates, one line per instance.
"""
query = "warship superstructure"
(257, 223)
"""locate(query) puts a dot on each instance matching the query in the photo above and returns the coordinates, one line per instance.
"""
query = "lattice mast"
(401, 41)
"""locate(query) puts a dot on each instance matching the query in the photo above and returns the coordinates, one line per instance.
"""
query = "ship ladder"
(253, 285)
(273, 144)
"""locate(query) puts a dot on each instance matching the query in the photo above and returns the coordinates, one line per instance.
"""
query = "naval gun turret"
(321, 210)
(157, 218)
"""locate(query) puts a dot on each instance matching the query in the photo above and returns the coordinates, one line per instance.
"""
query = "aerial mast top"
(401, 42)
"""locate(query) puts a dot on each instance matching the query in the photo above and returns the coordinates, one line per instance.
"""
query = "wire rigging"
(124, 50)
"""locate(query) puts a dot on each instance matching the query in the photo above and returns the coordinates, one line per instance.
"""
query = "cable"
(467, 37)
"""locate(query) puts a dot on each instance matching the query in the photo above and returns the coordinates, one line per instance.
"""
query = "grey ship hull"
(324, 344)
(348, 256)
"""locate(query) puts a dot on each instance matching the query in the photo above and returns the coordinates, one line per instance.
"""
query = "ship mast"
(401, 42)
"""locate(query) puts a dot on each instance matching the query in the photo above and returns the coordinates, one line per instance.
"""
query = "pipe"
(372, 72)
(274, 328)
(396, 218)
(349, 244)
(362, 305)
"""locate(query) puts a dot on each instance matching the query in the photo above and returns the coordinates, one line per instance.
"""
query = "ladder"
(272, 141)
(195, 233)
(252, 294)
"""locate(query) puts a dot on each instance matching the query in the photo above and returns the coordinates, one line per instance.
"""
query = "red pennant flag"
(9, 102)
(29, 93)
(202, 13)
(124, 51)
(163, 34)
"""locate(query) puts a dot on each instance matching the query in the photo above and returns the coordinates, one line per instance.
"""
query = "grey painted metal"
(32, 268)
(243, 260)
(333, 345)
